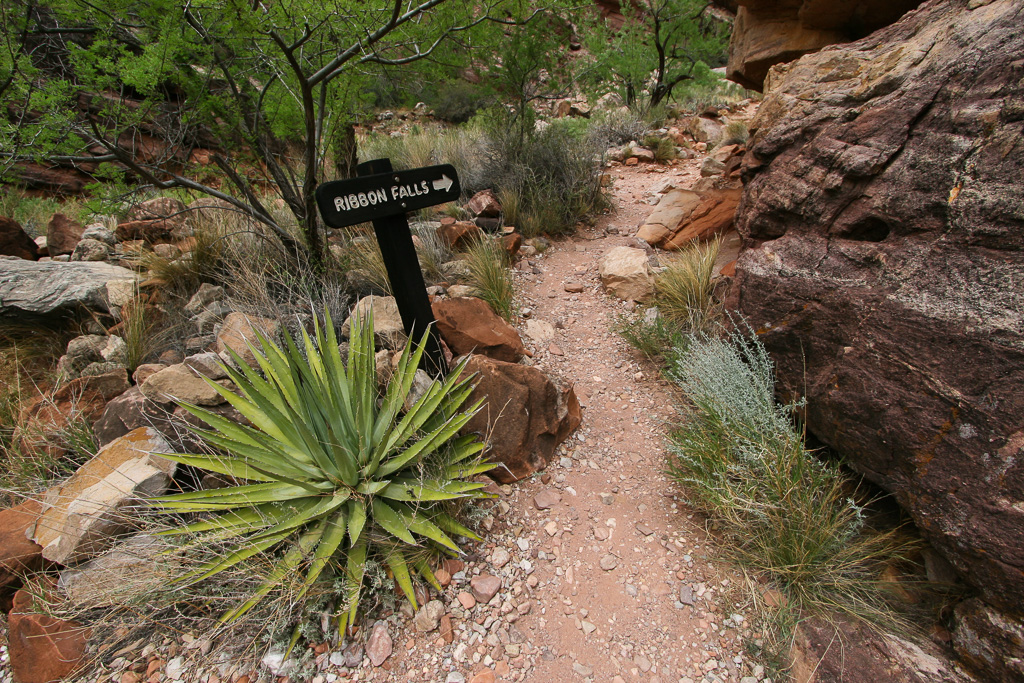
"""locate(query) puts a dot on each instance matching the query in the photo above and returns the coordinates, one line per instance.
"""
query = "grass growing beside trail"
(784, 514)
(490, 275)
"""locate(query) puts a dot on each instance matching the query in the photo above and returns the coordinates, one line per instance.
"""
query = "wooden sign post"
(384, 197)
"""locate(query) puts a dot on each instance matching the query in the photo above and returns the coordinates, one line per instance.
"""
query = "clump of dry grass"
(785, 514)
(490, 275)
(685, 289)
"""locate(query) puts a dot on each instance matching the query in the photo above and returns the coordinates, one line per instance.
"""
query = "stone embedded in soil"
(500, 557)
(467, 600)
(609, 562)
(447, 629)
(485, 586)
(573, 287)
(429, 616)
(546, 499)
(485, 676)
(379, 645)
(686, 594)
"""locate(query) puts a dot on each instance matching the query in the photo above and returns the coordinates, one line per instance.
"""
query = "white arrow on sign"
(445, 183)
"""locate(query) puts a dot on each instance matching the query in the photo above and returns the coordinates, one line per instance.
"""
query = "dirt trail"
(625, 548)
(605, 572)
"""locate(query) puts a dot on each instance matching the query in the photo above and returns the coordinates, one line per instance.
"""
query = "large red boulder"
(63, 235)
(19, 555)
(524, 418)
(14, 241)
(43, 649)
(883, 219)
(468, 325)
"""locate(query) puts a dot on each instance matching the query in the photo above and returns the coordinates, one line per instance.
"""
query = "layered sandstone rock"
(884, 215)
(769, 32)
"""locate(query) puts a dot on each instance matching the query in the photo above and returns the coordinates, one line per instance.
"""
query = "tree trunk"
(344, 151)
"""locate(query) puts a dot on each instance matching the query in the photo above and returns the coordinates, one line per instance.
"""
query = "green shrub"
(685, 289)
(331, 474)
(735, 133)
(553, 172)
(490, 275)
(655, 337)
(663, 148)
(457, 101)
(784, 514)
(617, 128)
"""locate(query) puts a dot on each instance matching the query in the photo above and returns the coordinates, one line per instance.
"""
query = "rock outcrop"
(14, 241)
(43, 649)
(626, 274)
(884, 219)
(769, 32)
(52, 289)
(837, 649)
(683, 216)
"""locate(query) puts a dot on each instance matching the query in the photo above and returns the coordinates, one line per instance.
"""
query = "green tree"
(274, 87)
(662, 44)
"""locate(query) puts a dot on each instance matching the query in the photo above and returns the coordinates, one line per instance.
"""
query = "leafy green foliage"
(331, 474)
(662, 44)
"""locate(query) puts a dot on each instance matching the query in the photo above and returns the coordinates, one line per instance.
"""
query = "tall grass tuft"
(368, 272)
(433, 252)
(490, 275)
(784, 513)
(685, 289)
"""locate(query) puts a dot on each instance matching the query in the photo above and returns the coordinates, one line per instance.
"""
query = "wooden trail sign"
(378, 193)
(383, 197)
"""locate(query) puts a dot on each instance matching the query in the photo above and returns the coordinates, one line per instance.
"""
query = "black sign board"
(358, 200)
(383, 197)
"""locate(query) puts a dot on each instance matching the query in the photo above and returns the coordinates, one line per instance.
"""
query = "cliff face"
(769, 32)
(884, 218)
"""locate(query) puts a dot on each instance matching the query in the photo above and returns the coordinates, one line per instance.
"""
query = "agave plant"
(332, 473)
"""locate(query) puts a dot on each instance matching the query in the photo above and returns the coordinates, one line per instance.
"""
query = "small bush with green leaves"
(785, 514)
(331, 475)
(457, 101)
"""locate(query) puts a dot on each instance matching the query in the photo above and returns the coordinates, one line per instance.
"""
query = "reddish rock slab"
(152, 232)
(379, 645)
(525, 416)
(14, 241)
(468, 325)
(460, 234)
(63, 235)
(766, 33)
(511, 244)
(43, 649)
(484, 203)
(831, 650)
(19, 555)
